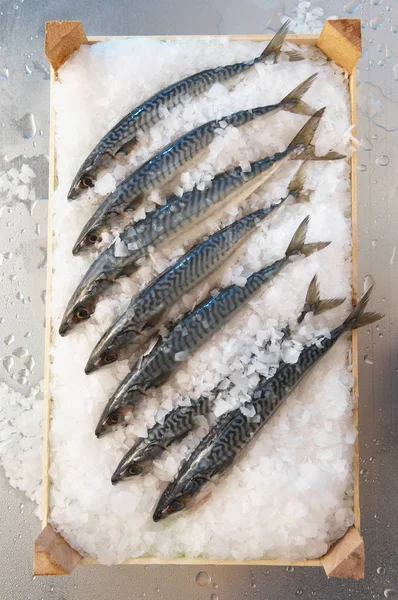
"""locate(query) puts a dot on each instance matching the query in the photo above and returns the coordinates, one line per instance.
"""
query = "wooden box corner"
(341, 41)
(62, 39)
(346, 558)
(53, 555)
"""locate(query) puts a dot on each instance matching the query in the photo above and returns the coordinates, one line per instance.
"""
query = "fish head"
(81, 183)
(82, 304)
(89, 237)
(180, 495)
(137, 461)
(117, 343)
(77, 312)
(120, 405)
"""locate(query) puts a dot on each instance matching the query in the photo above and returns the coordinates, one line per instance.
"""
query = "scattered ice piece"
(105, 185)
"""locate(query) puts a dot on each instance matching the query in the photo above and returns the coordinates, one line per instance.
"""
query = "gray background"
(24, 88)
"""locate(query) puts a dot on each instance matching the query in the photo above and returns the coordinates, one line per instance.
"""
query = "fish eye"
(113, 418)
(134, 469)
(92, 238)
(82, 314)
(177, 505)
(110, 358)
(87, 181)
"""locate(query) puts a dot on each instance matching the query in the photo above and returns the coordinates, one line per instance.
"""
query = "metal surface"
(24, 89)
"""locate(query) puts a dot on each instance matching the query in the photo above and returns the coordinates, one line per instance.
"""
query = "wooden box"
(340, 40)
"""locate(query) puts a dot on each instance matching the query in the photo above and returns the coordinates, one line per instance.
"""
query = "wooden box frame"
(340, 40)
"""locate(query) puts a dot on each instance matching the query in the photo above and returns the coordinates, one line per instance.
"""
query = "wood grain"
(340, 40)
(62, 39)
(53, 555)
(346, 551)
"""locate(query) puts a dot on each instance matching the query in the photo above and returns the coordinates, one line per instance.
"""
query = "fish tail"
(302, 141)
(298, 245)
(358, 317)
(296, 185)
(294, 98)
(314, 303)
(275, 45)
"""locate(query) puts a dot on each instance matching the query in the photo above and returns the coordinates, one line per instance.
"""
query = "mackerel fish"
(232, 433)
(144, 314)
(122, 137)
(192, 331)
(180, 421)
(165, 165)
(168, 221)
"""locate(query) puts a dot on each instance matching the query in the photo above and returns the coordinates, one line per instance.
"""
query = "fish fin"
(303, 139)
(275, 45)
(297, 245)
(309, 154)
(297, 241)
(328, 304)
(294, 55)
(308, 249)
(294, 98)
(296, 185)
(358, 317)
(127, 147)
(313, 302)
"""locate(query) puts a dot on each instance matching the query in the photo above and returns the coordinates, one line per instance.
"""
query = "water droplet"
(364, 24)
(352, 6)
(203, 578)
(394, 28)
(371, 63)
(371, 459)
(27, 70)
(374, 243)
(366, 144)
(43, 296)
(395, 71)
(213, 597)
(51, 588)
(41, 133)
(8, 363)
(376, 2)
(290, 569)
(2, 320)
(215, 585)
(4, 73)
(380, 570)
(381, 63)
(364, 472)
(253, 586)
(21, 297)
(12, 277)
(377, 22)
(27, 125)
(21, 352)
(299, 592)
(30, 363)
(389, 593)
(7, 255)
(388, 53)
(376, 441)
(9, 339)
(27, 334)
(362, 168)
(389, 7)
(380, 47)
(368, 359)
(37, 228)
